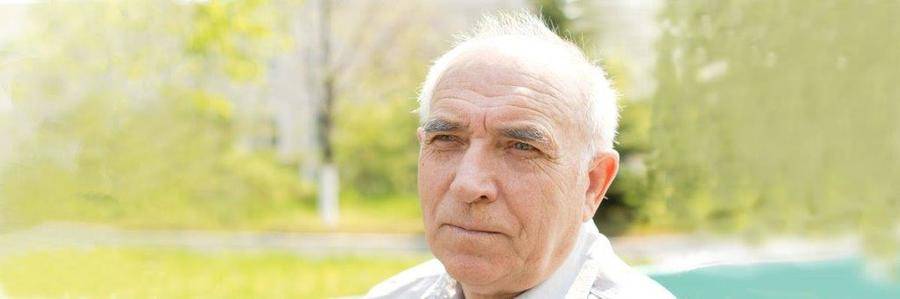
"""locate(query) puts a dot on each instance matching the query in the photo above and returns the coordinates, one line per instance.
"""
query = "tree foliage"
(132, 109)
(777, 117)
(375, 130)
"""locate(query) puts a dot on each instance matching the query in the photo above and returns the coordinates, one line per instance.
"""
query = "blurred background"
(266, 148)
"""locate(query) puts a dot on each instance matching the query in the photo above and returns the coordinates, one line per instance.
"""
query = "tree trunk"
(328, 194)
(328, 175)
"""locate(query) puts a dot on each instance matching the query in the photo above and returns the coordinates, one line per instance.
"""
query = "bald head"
(506, 46)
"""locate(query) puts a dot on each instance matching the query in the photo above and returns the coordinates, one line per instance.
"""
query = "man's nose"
(475, 176)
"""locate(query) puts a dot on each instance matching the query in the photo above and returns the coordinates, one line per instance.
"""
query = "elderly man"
(516, 155)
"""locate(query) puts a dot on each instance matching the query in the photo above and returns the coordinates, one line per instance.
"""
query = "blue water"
(830, 279)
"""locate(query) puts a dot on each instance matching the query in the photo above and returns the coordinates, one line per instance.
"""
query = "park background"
(182, 149)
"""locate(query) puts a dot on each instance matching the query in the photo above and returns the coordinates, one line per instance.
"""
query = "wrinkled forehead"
(517, 73)
(515, 62)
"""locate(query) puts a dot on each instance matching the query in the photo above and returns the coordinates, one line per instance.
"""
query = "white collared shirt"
(591, 270)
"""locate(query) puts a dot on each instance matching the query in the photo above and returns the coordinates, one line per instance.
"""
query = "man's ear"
(601, 172)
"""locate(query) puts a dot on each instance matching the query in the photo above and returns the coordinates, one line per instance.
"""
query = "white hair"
(601, 115)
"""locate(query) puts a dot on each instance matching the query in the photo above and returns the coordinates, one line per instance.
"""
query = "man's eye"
(523, 146)
(444, 138)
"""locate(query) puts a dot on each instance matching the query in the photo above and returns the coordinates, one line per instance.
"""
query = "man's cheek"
(432, 186)
(437, 174)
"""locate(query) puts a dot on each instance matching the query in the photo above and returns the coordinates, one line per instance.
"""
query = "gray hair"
(602, 115)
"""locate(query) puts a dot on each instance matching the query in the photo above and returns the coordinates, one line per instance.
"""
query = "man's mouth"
(469, 230)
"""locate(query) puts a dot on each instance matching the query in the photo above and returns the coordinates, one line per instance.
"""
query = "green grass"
(169, 273)
(398, 214)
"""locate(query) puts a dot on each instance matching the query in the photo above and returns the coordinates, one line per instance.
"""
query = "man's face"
(502, 172)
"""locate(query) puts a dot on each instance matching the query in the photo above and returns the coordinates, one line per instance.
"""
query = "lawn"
(171, 273)
(357, 215)
(397, 214)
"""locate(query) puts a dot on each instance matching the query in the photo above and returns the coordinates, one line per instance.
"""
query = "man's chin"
(474, 270)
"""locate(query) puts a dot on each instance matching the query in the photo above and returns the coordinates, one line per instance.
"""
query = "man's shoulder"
(412, 282)
(633, 286)
(615, 279)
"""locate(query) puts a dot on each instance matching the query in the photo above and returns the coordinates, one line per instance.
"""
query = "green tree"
(777, 117)
(132, 105)
(375, 127)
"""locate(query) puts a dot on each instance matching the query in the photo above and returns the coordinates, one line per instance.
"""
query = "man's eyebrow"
(529, 134)
(441, 125)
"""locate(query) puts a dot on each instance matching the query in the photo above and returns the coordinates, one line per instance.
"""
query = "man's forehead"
(496, 65)
(489, 78)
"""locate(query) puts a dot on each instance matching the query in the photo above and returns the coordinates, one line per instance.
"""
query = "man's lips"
(470, 229)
